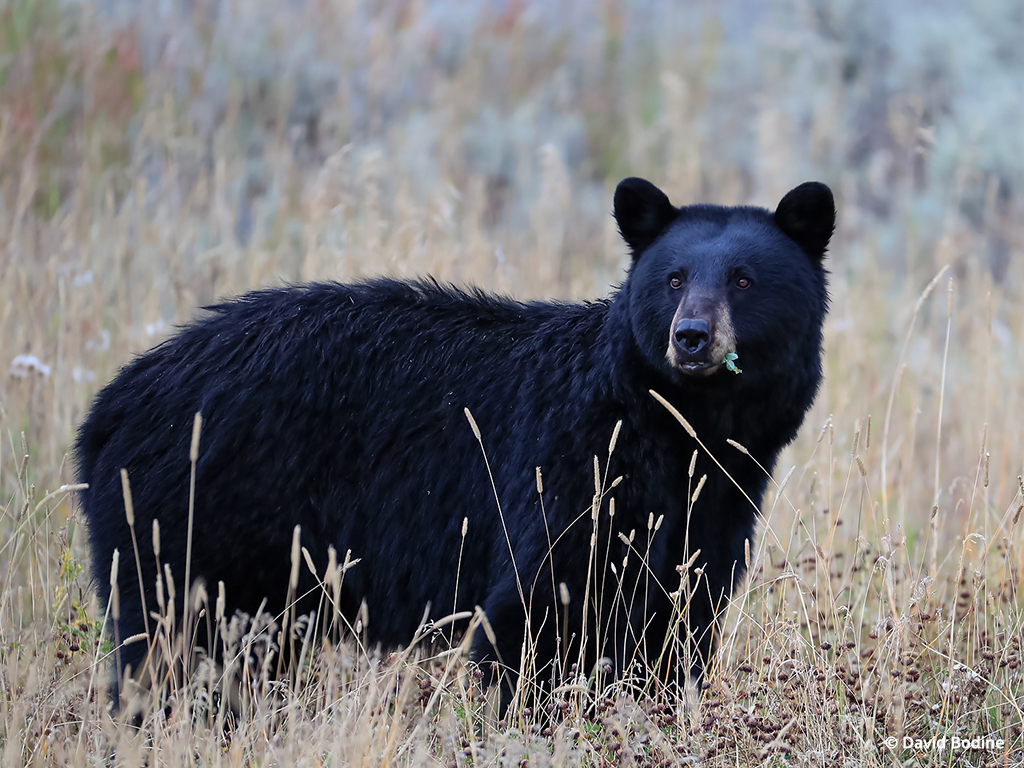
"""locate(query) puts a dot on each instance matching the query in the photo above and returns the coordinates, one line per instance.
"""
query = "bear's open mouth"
(698, 368)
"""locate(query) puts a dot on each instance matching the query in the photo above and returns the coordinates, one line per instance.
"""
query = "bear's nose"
(693, 335)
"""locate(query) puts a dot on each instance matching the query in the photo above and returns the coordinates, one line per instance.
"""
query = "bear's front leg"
(501, 660)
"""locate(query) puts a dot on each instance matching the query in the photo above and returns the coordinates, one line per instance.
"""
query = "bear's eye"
(742, 282)
(676, 281)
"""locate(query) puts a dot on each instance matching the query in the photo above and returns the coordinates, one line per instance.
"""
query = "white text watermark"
(950, 743)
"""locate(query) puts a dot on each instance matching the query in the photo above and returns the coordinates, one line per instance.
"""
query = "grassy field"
(157, 155)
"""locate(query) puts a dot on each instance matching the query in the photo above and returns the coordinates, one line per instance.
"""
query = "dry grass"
(148, 167)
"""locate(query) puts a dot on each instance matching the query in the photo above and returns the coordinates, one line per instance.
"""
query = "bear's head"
(718, 291)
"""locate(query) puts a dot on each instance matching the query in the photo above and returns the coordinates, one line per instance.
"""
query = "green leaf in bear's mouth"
(730, 362)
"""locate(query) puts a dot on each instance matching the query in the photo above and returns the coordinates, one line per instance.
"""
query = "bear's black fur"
(341, 409)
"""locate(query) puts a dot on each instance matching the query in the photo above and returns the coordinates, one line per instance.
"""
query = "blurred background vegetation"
(281, 126)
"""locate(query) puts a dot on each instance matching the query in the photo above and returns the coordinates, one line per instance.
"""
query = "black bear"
(342, 409)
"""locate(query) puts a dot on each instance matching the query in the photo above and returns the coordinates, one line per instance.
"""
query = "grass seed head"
(197, 426)
(126, 493)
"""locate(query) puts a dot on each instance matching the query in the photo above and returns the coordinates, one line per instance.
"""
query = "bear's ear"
(642, 212)
(808, 215)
